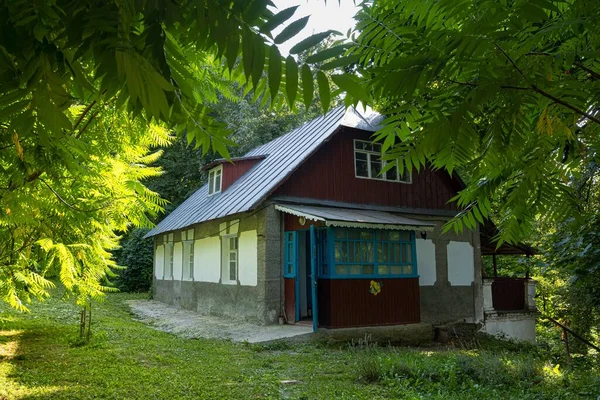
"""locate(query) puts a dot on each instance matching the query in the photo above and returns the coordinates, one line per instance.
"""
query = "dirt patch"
(191, 325)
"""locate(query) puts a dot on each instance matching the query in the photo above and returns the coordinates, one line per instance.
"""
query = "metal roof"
(282, 157)
(355, 218)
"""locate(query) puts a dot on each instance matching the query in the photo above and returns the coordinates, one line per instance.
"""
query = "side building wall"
(449, 267)
(203, 284)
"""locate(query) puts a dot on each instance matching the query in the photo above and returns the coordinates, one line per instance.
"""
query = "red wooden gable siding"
(232, 171)
(329, 175)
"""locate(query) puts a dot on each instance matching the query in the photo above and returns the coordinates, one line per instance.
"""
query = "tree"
(507, 90)
(88, 87)
(251, 125)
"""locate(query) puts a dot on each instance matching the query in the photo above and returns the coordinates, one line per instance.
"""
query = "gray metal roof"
(355, 218)
(283, 156)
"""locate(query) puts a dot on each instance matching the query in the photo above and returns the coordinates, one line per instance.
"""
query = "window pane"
(366, 235)
(340, 270)
(395, 256)
(232, 256)
(325, 269)
(218, 183)
(367, 252)
(375, 168)
(344, 252)
(355, 270)
(368, 269)
(211, 183)
(341, 233)
(392, 174)
(407, 253)
(232, 271)
(382, 252)
(338, 255)
(362, 168)
(407, 269)
(394, 235)
(404, 236)
(383, 269)
(376, 147)
(396, 269)
(353, 234)
(361, 156)
(405, 176)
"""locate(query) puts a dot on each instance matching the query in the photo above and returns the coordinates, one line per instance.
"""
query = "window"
(214, 180)
(290, 256)
(169, 255)
(188, 255)
(372, 253)
(229, 261)
(368, 164)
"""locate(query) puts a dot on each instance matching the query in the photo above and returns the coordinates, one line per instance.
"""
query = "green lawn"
(128, 360)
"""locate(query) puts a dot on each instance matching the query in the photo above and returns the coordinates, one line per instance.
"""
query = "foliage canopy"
(506, 89)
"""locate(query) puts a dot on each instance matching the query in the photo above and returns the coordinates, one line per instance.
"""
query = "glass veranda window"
(373, 253)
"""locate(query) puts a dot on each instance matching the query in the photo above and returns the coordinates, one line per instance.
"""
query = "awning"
(353, 218)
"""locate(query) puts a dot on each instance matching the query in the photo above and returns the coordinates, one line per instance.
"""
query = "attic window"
(215, 180)
(368, 164)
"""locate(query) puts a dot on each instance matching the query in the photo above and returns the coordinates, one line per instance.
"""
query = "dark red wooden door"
(289, 288)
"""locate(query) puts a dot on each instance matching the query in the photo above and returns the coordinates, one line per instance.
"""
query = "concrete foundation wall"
(256, 296)
(517, 326)
(450, 286)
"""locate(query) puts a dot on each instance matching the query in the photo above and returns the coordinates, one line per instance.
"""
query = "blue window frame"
(370, 253)
(290, 265)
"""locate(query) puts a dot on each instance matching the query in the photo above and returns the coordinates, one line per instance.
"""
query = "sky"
(325, 15)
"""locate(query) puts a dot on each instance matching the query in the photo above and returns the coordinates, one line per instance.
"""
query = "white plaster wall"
(207, 259)
(159, 262)
(461, 266)
(426, 262)
(177, 261)
(248, 258)
(517, 329)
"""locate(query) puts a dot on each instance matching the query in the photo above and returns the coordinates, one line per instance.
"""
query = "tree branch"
(546, 94)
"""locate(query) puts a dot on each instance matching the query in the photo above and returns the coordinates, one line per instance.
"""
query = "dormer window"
(215, 179)
(368, 164)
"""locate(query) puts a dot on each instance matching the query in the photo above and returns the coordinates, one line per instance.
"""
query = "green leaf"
(307, 85)
(278, 19)
(327, 54)
(233, 43)
(351, 85)
(258, 59)
(274, 70)
(291, 80)
(340, 62)
(291, 30)
(310, 41)
(324, 92)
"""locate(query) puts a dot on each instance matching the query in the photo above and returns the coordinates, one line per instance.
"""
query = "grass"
(40, 359)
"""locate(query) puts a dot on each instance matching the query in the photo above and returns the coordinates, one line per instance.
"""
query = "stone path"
(189, 324)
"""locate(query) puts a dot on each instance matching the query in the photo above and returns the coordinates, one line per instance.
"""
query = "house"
(306, 227)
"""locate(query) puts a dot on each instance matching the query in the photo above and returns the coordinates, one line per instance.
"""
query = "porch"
(509, 304)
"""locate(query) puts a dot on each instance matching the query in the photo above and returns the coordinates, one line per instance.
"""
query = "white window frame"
(375, 153)
(212, 178)
(188, 250)
(169, 256)
(226, 259)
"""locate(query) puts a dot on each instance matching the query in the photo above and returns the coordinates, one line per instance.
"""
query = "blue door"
(313, 277)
